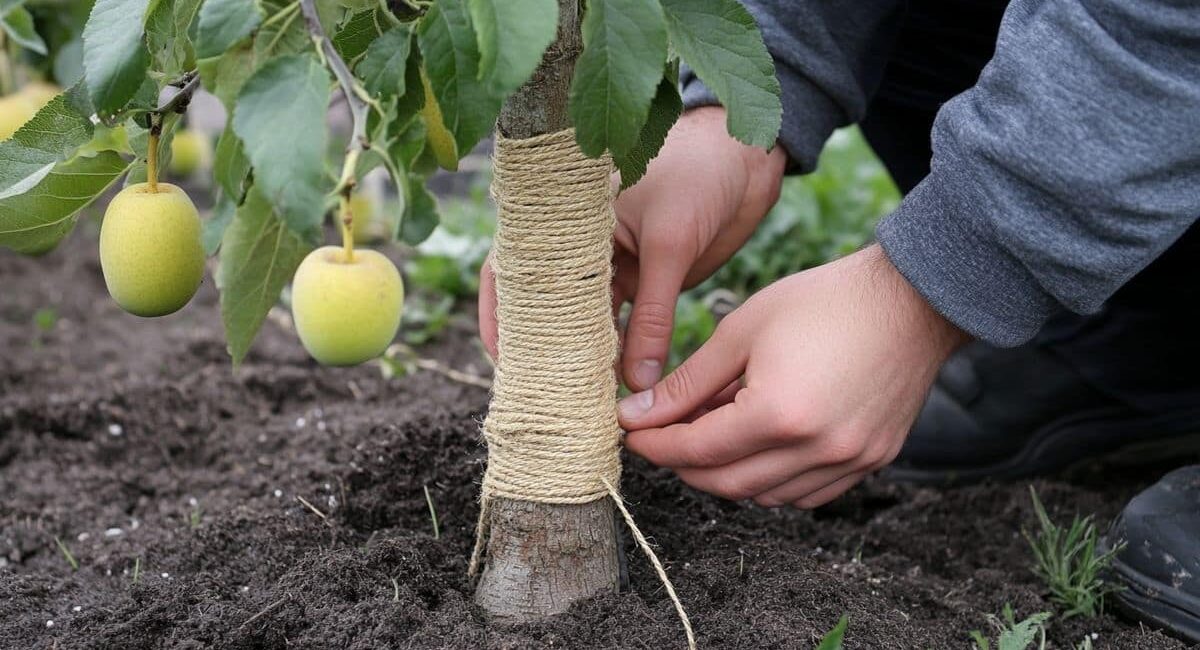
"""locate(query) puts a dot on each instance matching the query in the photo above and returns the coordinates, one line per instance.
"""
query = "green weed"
(833, 640)
(1066, 560)
(1014, 635)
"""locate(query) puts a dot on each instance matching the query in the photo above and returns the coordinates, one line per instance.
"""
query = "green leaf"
(223, 23)
(35, 221)
(624, 47)
(664, 111)
(230, 166)
(53, 135)
(212, 231)
(280, 117)
(259, 255)
(451, 55)
(18, 24)
(167, 23)
(382, 69)
(224, 75)
(420, 214)
(721, 42)
(512, 36)
(833, 640)
(353, 39)
(114, 56)
(286, 36)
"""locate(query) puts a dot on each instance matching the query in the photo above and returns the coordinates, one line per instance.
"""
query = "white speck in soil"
(193, 502)
(49, 623)
(83, 537)
(246, 588)
(115, 430)
(278, 493)
(114, 532)
(77, 608)
(300, 422)
(134, 524)
(262, 437)
(166, 575)
(320, 425)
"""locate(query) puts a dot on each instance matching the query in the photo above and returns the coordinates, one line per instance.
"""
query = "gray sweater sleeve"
(1070, 166)
(829, 57)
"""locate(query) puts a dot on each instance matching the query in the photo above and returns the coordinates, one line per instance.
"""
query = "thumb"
(717, 364)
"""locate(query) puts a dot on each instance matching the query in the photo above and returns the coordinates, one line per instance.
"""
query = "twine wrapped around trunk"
(552, 430)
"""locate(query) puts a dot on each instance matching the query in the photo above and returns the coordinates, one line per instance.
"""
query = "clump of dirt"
(283, 505)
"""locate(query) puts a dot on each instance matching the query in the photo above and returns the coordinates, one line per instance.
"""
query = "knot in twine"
(551, 429)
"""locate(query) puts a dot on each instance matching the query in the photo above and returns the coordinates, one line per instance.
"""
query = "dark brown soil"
(175, 483)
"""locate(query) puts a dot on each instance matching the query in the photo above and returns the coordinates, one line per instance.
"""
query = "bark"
(543, 557)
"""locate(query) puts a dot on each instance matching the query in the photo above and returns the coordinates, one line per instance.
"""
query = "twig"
(265, 610)
(178, 103)
(433, 365)
(432, 513)
(313, 508)
(357, 100)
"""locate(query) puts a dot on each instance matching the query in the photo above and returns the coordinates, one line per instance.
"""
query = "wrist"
(941, 336)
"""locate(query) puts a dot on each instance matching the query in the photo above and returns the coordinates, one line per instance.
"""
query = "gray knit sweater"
(1070, 166)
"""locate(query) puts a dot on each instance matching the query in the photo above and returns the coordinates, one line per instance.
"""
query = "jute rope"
(552, 430)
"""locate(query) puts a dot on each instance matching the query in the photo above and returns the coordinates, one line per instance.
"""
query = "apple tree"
(425, 81)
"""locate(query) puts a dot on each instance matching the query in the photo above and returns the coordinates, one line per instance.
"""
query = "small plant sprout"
(1066, 560)
(432, 513)
(45, 319)
(66, 553)
(833, 640)
(137, 570)
(1014, 635)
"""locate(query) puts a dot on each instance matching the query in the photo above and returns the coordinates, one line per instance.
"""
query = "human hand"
(834, 364)
(700, 200)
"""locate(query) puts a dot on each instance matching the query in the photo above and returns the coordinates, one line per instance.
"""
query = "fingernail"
(636, 405)
(647, 372)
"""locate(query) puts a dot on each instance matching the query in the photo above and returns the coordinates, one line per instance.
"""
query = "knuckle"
(679, 385)
(734, 488)
(653, 319)
(842, 451)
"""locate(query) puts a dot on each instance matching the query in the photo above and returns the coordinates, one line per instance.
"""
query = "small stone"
(278, 493)
(166, 575)
(300, 422)
(49, 623)
(77, 608)
(114, 532)
(83, 537)
(115, 430)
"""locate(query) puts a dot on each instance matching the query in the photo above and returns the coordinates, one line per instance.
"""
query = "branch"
(355, 95)
(178, 103)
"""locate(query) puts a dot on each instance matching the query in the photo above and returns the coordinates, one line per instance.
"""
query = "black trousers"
(1144, 346)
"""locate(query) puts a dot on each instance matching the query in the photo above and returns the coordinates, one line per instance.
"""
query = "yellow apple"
(19, 108)
(39, 93)
(15, 110)
(150, 249)
(346, 312)
(190, 151)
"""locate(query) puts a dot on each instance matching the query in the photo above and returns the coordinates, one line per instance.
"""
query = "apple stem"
(347, 222)
(152, 155)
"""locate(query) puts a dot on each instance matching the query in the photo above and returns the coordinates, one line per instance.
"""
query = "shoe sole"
(1155, 603)
(1057, 447)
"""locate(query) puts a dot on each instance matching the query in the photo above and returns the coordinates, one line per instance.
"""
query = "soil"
(176, 484)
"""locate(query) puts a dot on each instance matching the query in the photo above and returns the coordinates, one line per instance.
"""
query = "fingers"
(488, 325)
(710, 369)
(652, 321)
(716, 438)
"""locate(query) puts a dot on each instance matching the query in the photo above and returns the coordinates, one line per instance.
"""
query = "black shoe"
(1159, 564)
(1013, 413)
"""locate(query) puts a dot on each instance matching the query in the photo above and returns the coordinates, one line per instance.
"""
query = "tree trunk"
(543, 557)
